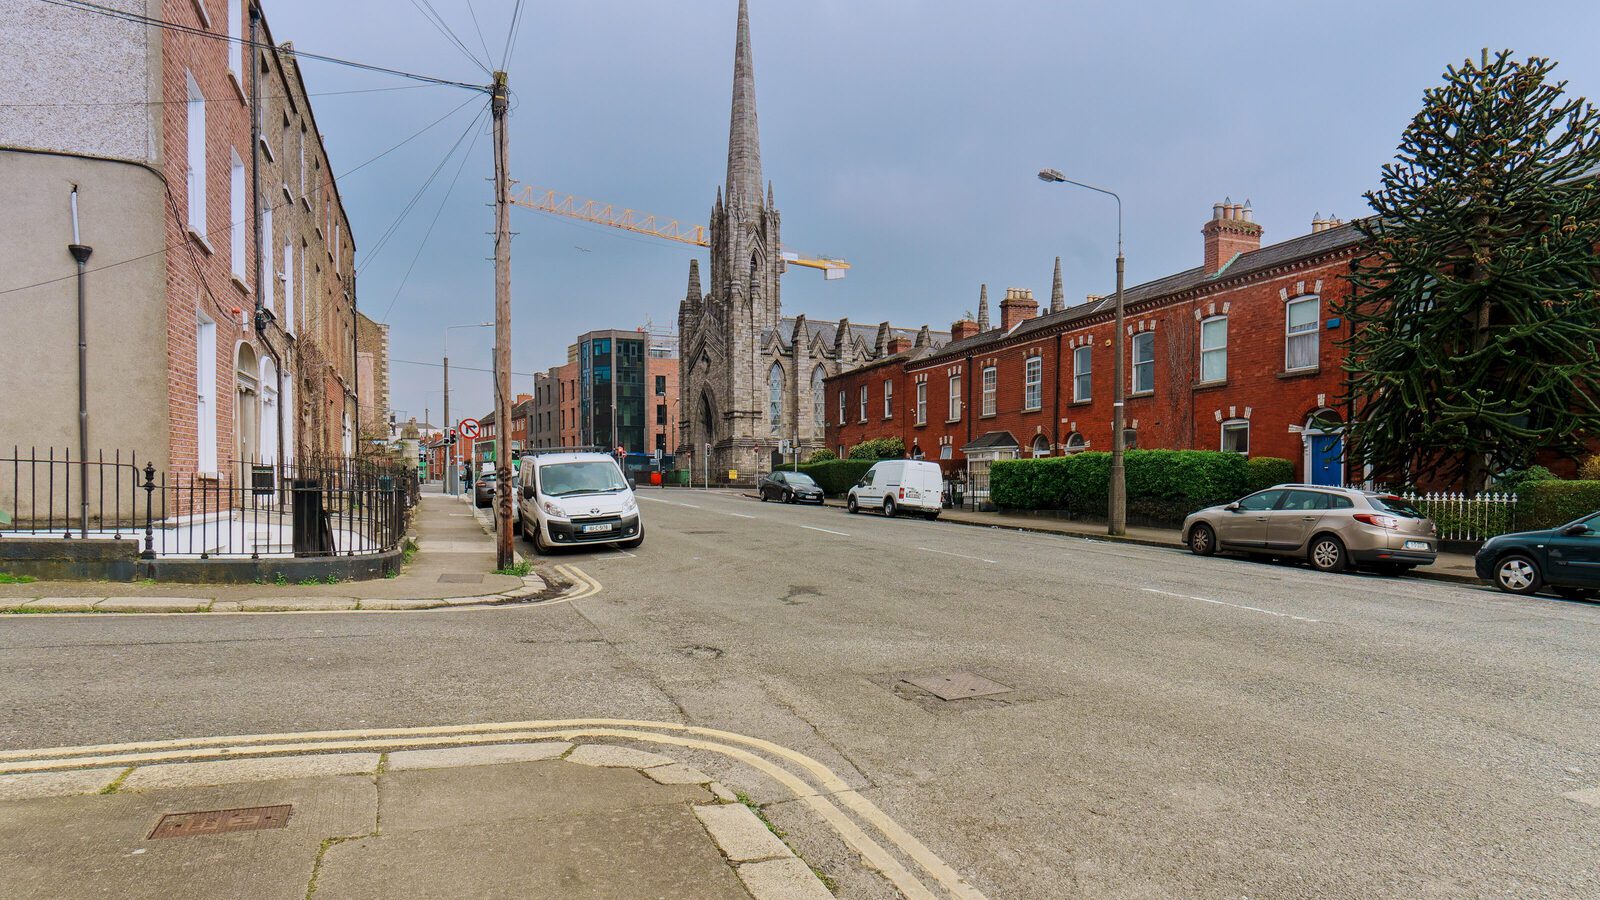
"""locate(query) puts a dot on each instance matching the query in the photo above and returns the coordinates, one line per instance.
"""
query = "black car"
(1565, 560)
(790, 487)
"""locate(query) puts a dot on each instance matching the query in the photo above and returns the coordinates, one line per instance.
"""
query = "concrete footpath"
(542, 819)
(453, 565)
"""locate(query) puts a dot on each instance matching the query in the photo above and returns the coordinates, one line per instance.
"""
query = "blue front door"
(1327, 459)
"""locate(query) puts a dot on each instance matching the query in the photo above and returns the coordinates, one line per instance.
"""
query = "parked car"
(566, 498)
(1565, 560)
(483, 489)
(892, 485)
(1331, 528)
(790, 487)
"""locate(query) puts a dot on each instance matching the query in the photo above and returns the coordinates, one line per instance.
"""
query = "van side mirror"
(631, 483)
(527, 492)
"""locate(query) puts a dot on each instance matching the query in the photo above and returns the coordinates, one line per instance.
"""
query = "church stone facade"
(750, 377)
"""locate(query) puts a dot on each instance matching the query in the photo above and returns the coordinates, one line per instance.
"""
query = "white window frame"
(1148, 339)
(888, 399)
(1081, 445)
(195, 179)
(1308, 334)
(288, 285)
(302, 161)
(205, 390)
(1033, 384)
(236, 47)
(1212, 353)
(1034, 449)
(955, 398)
(841, 406)
(266, 282)
(990, 380)
(1234, 425)
(236, 215)
(1082, 373)
(922, 403)
(863, 409)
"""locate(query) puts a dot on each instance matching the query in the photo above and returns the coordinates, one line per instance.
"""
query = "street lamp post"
(1117, 511)
(450, 456)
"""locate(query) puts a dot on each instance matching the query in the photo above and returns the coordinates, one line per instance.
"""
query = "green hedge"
(879, 448)
(1163, 485)
(837, 475)
(1548, 504)
(1266, 471)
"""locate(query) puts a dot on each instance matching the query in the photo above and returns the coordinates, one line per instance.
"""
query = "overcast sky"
(901, 135)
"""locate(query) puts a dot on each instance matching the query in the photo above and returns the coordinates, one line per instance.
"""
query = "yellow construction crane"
(574, 207)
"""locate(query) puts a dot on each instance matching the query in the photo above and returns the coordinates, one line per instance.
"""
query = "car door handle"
(1309, 518)
(1261, 518)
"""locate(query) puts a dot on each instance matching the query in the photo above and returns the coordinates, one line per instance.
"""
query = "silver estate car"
(1331, 528)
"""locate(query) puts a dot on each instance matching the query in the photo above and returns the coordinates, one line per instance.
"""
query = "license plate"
(1416, 545)
(590, 529)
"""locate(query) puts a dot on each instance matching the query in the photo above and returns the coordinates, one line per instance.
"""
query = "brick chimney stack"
(524, 398)
(1018, 306)
(899, 344)
(962, 329)
(1231, 231)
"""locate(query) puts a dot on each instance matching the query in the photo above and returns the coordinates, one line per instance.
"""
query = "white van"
(893, 485)
(566, 498)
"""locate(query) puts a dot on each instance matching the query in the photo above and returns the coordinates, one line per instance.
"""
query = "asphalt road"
(1171, 725)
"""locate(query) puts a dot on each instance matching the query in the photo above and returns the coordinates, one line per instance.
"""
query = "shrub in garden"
(879, 448)
(821, 455)
(835, 476)
(1265, 471)
(1590, 470)
(1161, 484)
(1549, 504)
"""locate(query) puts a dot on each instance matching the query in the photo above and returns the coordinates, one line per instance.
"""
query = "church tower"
(723, 375)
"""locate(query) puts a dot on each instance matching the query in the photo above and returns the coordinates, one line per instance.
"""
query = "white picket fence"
(1463, 517)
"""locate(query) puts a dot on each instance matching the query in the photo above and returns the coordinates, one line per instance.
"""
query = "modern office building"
(618, 388)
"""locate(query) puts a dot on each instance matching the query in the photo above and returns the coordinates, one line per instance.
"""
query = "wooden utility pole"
(502, 328)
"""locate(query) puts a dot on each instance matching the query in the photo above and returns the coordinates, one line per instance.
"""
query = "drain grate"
(460, 578)
(958, 685)
(221, 821)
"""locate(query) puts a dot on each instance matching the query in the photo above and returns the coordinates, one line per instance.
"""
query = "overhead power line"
(224, 99)
(511, 34)
(214, 232)
(439, 24)
(151, 21)
(395, 225)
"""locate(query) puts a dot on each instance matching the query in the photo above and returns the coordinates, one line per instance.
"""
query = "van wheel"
(539, 546)
(850, 505)
(1327, 554)
(888, 507)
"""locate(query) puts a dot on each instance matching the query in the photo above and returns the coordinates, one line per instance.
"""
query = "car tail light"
(1380, 521)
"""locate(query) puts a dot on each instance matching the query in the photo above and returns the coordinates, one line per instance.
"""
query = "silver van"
(575, 497)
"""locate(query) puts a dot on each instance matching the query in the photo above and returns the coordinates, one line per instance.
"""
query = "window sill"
(1210, 385)
(1032, 410)
(987, 415)
(955, 421)
(234, 79)
(1137, 394)
(238, 282)
(267, 148)
(919, 425)
(208, 476)
(1088, 402)
(200, 239)
(303, 201)
(1299, 373)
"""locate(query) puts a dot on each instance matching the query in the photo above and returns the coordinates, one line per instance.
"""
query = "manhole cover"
(449, 578)
(221, 821)
(958, 685)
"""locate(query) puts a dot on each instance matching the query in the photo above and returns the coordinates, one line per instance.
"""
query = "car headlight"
(554, 509)
(628, 504)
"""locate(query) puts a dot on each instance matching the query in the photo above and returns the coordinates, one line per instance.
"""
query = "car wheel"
(888, 507)
(1517, 574)
(763, 494)
(850, 505)
(1327, 554)
(1202, 540)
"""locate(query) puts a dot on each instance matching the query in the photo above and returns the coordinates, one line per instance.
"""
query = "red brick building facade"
(1240, 353)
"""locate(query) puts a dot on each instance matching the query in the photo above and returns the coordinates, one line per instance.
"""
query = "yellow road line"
(832, 787)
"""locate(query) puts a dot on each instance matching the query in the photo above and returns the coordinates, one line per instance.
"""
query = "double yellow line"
(856, 820)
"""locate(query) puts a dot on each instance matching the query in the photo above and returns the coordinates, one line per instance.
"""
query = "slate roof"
(829, 332)
(1309, 245)
(993, 440)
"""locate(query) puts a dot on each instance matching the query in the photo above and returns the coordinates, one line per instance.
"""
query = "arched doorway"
(247, 405)
(1041, 446)
(269, 411)
(1323, 437)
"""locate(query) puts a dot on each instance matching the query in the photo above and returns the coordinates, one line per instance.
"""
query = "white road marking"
(962, 555)
(828, 530)
(669, 502)
(1258, 609)
(743, 516)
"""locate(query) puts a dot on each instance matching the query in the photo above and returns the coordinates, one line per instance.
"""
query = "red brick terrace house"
(1239, 353)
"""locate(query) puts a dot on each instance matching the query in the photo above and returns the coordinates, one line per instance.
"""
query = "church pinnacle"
(744, 138)
(1058, 298)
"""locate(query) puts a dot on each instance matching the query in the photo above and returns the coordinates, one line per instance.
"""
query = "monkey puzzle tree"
(1476, 308)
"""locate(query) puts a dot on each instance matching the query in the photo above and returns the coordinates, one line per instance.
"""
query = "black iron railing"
(335, 507)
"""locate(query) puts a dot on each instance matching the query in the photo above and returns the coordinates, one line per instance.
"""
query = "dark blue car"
(1565, 560)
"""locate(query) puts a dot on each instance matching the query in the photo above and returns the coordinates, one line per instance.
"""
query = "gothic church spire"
(1058, 298)
(744, 138)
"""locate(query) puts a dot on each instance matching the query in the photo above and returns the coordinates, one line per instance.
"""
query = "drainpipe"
(1055, 420)
(80, 253)
(262, 316)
